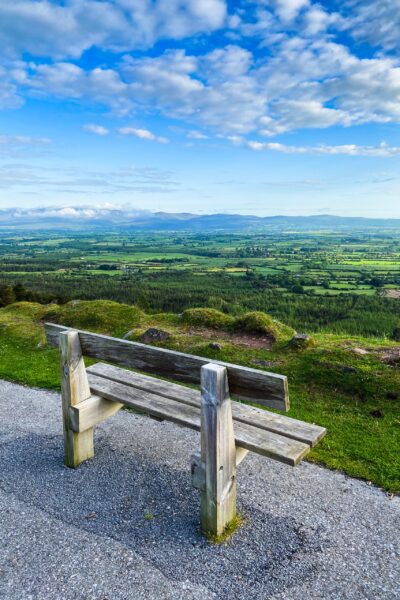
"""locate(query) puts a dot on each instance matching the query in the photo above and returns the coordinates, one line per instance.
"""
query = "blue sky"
(264, 107)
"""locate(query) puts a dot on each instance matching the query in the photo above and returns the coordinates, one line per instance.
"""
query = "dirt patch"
(390, 356)
(239, 339)
(393, 294)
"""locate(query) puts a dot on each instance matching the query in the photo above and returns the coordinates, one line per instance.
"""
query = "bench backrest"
(267, 389)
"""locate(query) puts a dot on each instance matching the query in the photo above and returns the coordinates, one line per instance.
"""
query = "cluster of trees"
(19, 293)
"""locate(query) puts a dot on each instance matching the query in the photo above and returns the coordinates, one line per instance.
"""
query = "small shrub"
(396, 334)
(207, 317)
(260, 323)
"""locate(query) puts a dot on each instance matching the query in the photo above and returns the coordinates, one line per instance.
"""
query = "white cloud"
(66, 30)
(21, 145)
(112, 212)
(374, 22)
(61, 181)
(23, 140)
(143, 134)
(316, 20)
(302, 83)
(96, 129)
(9, 97)
(288, 10)
(297, 76)
(196, 135)
(383, 150)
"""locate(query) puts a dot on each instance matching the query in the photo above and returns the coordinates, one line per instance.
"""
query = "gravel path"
(82, 534)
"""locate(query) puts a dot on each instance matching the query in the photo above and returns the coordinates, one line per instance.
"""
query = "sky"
(255, 107)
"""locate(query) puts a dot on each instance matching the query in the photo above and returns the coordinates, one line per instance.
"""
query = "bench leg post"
(74, 389)
(218, 452)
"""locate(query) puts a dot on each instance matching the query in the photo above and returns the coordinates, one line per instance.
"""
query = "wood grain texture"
(267, 389)
(74, 389)
(247, 436)
(198, 468)
(281, 424)
(91, 412)
(218, 452)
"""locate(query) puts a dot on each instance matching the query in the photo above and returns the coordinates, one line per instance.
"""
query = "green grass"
(228, 532)
(207, 317)
(353, 396)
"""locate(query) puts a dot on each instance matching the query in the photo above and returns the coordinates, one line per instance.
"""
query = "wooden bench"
(229, 429)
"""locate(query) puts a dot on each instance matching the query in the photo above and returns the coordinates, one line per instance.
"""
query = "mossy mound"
(21, 321)
(103, 316)
(260, 323)
(31, 310)
(207, 317)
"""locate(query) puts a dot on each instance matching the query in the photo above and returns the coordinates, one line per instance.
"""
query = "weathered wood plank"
(74, 389)
(281, 424)
(91, 412)
(247, 436)
(218, 452)
(146, 402)
(267, 389)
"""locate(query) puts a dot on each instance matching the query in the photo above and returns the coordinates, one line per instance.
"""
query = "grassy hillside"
(349, 385)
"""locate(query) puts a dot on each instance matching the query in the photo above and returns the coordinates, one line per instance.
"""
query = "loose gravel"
(124, 526)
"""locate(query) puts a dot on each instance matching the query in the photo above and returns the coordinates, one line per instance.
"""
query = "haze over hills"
(109, 217)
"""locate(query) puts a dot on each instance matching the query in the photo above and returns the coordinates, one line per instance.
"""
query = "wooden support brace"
(74, 390)
(241, 453)
(90, 412)
(218, 452)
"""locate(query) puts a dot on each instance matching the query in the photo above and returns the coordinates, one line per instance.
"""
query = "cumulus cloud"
(9, 97)
(103, 212)
(302, 83)
(143, 134)
(283, 68)
(377, 23)
(96, 129)
(67, 29)
(288, 10)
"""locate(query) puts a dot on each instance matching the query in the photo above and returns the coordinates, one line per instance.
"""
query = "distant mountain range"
(107, 218)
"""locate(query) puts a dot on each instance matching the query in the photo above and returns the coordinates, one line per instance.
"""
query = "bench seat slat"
(252, 438)
(265, 420)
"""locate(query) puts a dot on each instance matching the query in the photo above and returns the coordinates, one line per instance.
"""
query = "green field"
(317, 281)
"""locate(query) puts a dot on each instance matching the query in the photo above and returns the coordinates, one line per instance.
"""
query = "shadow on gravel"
(153, 510)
